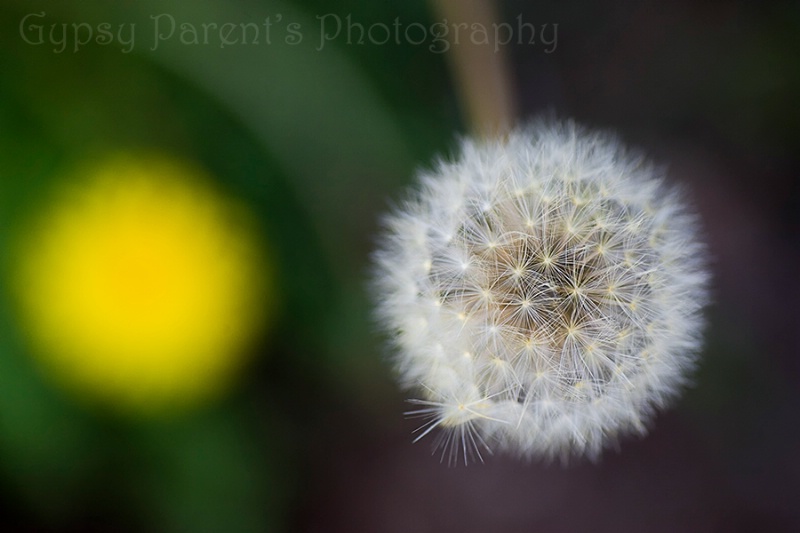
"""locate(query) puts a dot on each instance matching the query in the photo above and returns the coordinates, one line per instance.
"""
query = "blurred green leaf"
(206, 473)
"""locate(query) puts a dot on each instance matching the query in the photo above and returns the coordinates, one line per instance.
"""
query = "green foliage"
(312, 140)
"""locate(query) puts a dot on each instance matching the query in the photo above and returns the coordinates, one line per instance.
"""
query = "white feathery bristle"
(543, 293)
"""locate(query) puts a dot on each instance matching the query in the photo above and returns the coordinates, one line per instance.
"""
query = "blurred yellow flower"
(142, 286)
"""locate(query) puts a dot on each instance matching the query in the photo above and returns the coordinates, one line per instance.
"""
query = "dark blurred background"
(317, 136)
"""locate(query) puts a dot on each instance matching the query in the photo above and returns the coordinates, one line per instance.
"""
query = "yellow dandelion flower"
(141, 286)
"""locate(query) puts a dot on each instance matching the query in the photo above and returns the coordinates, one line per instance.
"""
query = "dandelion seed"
(584, 293)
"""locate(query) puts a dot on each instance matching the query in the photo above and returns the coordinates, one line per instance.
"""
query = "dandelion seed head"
(568, 282)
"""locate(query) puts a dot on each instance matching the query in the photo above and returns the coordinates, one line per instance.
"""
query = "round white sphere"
(543, 293)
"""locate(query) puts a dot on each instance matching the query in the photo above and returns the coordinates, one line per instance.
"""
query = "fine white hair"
(543, 293)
